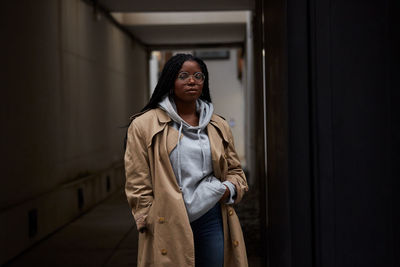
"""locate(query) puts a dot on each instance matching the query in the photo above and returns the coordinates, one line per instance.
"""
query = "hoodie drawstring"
(202, 152)
(203, 156)
(179, 158)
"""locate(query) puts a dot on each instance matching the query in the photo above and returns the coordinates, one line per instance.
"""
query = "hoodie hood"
(205, 110)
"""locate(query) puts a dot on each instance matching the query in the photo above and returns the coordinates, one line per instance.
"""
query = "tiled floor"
(104, 236)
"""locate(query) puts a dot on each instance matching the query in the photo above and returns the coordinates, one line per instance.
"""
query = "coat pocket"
(150, 220)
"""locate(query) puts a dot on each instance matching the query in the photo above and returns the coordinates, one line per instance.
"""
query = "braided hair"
(168, 76)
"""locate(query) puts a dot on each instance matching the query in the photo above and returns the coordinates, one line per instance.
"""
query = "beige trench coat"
(156, 201)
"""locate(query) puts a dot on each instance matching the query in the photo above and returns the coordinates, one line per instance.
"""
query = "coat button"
(230, 212)
(161, 219)
(225, 156)
(235, 243)
(164, 251)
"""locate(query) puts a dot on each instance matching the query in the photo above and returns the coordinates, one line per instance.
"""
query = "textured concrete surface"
(100, 237)
(70, 81)
(106, 236)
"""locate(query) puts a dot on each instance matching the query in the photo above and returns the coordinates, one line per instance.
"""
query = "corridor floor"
(104, 236)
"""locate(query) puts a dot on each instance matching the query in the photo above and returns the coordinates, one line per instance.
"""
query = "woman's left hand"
(226, 195)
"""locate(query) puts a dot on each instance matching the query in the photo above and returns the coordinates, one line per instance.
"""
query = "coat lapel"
(214, 130)
(172, 139)
(216, 133)
(172, 134)
(215, 153)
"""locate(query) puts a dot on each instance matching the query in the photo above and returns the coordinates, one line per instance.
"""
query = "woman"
(183, 174)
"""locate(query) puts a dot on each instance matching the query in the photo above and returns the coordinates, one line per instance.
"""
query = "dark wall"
(354, 149)
(332, 133)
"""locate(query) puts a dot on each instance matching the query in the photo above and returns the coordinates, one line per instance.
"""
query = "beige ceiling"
(175, 5)
(174, 22)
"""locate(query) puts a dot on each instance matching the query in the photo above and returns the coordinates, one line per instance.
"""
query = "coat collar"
(161, 115)
(218, 122)
(163, 118)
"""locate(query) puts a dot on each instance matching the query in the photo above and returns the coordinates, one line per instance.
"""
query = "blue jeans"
(209, 239)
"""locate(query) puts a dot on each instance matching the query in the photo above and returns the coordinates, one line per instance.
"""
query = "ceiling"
(175, 5)
(180, 23)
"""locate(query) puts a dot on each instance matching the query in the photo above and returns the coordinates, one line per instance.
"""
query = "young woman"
(183, 174)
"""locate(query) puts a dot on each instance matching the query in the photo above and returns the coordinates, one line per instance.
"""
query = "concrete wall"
(69, 81)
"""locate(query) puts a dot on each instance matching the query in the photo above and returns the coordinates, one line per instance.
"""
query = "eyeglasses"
(198, 77)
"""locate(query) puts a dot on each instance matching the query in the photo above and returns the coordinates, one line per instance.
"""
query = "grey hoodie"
(192, 163)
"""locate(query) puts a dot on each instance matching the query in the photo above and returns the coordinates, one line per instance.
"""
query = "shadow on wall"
(68, 92)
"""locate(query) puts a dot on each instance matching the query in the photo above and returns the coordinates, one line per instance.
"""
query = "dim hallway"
(106, 236)
(310, 89)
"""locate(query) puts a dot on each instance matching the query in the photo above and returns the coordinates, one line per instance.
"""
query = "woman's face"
(189, 89)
